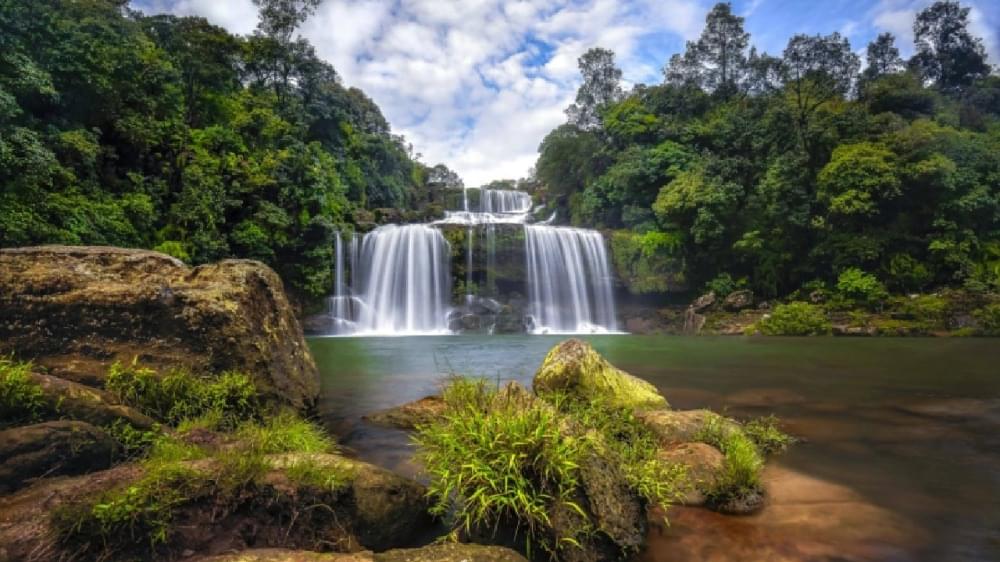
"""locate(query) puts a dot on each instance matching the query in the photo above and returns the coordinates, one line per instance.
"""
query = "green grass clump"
(764, 433)
(795, 319)
(21, 398)
(493, 461)
(505, 457)
(179, 395)
(133, 443)
(285, 433)
(742, 463)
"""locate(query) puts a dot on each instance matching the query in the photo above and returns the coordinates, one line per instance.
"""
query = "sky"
(477, 84)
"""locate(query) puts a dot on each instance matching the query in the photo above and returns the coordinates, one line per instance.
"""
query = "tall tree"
(947, 54)
(817, 69)
(717, 62)
(883, 57)
(280, 18)
(601, 86)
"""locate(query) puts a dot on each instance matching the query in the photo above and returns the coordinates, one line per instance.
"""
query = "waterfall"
(569, 280)
(405, 281)
(504, 201)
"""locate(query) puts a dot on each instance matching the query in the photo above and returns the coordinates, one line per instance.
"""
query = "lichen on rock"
(574, 367)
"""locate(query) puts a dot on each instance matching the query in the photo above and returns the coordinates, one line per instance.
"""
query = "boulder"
(677, 426)
(411, 414)
(575, 367)
(738, 300)
(374, 509)
(105, 304)
(703, 302)
(51, 449)
(703, 463)
(285, 555)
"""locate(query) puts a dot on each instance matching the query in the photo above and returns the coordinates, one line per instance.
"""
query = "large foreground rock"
(374, 509)
(67, 399)
(576, 368)
(87, 307)
(51, 449)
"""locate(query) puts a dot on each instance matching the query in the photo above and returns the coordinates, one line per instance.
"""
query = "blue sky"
(477, 84)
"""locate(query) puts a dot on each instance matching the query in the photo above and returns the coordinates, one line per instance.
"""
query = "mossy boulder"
(88, 307)
(51, 449)
(574, 367)
(80, 402)
(370, 508)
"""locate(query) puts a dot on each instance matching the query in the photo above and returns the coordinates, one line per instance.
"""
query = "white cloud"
(238, 16)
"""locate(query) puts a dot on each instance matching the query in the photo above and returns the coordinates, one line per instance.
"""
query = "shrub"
(133, 443)
(21, 398)
(724, 284)
(179, 395)
(506, 462)
(854, 285)
(989, 319)
(906, 273)
(764, 433)
(506, 457)
(795, 319)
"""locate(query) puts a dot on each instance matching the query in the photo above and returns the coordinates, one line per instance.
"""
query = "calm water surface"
(900, 458)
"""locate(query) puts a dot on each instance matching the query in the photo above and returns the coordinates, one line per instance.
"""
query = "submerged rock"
(411, 414)
(105, 304)
(51, 449)
(575, 367)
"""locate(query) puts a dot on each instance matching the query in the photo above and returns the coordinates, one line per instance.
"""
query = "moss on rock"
(574, 367)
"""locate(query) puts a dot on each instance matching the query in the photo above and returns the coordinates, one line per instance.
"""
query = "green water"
(900, 436)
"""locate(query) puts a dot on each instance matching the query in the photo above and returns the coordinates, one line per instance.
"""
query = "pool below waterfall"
(900, 451)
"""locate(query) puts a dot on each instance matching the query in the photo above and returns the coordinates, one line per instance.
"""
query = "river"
(899, 457)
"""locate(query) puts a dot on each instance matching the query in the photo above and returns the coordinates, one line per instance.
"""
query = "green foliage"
(795, 319)
(21, 398)
(724, 284)
(742, 463)
(285, 433)
(506, 457)
(179, 395)
(133, 442)
(862, 288)
(649, 262)
(171, 133)
(766, 435)
(989, 319)
(782, 170)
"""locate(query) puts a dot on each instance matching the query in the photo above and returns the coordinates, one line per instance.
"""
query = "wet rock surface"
(105, 304)
(51, 449)
(411, 414)
(434, 553)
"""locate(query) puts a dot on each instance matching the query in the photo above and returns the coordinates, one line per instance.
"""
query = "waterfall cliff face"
(401, 276)
(569, 281)
(405, 281)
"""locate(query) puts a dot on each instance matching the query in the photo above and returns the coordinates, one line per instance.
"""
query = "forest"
(795, 172)
(170, 133)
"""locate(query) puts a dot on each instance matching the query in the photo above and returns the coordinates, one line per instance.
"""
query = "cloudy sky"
(477, 84)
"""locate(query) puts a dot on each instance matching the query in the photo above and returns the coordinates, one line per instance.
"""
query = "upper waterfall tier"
(495, 206)
(569, 281)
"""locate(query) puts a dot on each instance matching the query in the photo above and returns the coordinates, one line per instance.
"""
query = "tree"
(717, 62)
(441, 177)
(601, 86)
(817, 69)
(280, 18)
(948, 56)
(883, 57)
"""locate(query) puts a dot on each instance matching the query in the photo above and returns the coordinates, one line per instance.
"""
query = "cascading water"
(569, 281)
(400, 279)
(406, 280)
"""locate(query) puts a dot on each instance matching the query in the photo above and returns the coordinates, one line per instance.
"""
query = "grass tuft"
(21, 398)
(742, 463)
(766, 435)
(179, 395)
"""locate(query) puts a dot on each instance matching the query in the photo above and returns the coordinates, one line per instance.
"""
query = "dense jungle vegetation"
(170, 133)
(791, 172)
